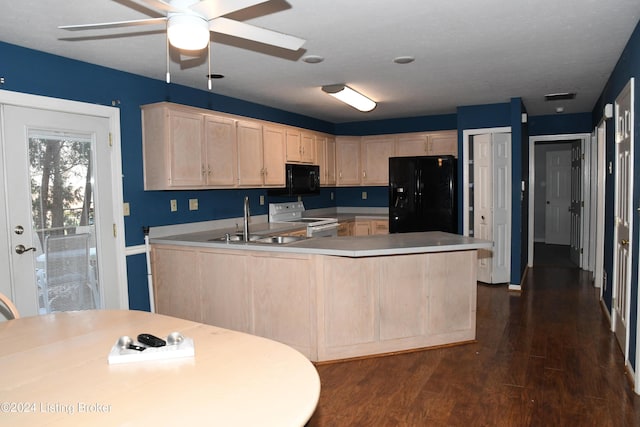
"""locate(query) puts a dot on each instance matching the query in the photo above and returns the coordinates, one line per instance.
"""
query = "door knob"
(624, 242)
(20, 249)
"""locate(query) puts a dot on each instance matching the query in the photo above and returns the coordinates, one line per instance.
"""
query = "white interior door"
(623, 215)
(59, 227)
(558, 197)
(501, 207)
(575, 248)
(483, 202)
(492, 204)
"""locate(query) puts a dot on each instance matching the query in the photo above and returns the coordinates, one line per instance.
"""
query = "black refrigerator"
(423, 194)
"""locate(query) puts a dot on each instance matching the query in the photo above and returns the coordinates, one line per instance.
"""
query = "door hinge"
(110, 140)
(115, 231)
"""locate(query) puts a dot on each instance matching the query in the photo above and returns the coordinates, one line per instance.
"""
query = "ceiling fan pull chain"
(209, 63)
(168, 75)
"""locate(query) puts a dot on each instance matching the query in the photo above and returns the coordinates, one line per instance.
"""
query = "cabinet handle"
(209, 171)
(364, 174)
(203, 171)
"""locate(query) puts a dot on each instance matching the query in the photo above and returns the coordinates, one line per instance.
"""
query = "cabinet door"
(307, 148)
(444, 143)
(330, 160)
(226, 297)
(380, 226)
(293, 145)
(171, 266)
(250, 168)
(363, 228)
(321, 158)
(345, 228)
(376, 151)
(348, 160)
(414, 144)
(220, 139)
(186, 149)
(273, 159)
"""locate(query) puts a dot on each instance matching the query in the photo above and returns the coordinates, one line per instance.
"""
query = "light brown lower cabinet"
(327, 307)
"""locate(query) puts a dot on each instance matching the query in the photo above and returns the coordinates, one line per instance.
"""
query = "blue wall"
(559, 124)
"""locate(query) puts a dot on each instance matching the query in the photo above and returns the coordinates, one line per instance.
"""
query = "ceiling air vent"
(559, 96)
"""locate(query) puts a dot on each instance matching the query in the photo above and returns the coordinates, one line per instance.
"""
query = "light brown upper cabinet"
(376, 151)
(273, 157)
(221, 152)
(443, 143)
(427, 144)
(326, 159)
(300, 146)
(185, 149)
(260, 155)
(348, 160)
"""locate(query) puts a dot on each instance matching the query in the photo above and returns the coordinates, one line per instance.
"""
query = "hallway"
(544, 357)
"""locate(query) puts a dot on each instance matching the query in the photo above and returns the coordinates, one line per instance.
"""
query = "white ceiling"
(468, 52)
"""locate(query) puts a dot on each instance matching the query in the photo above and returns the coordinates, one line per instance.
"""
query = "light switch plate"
(364, 195)
(174, 205)
(261, 200)
(193, 204)
(126, 210)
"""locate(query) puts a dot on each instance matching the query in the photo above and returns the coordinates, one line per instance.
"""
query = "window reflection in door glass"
(61, 179)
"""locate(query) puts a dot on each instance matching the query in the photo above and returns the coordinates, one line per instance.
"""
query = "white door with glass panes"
(60, 234)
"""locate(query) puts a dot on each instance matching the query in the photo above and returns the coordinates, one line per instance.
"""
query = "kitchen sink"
(270, 240)
(235, 238)
(279, 240)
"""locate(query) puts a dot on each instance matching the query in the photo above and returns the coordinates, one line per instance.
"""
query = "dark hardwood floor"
(543, 357)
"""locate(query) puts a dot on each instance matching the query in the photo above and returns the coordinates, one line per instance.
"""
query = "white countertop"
(348, 246)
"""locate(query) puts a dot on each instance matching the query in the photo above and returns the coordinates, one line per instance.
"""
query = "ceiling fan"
(189, 22)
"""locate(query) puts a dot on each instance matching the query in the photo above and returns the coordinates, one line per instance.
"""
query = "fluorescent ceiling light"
(349, 96)
(189, 32)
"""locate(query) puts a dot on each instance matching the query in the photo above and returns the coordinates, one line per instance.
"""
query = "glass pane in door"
(61, 181)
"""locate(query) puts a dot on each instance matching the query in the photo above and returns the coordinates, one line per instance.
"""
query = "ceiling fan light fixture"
(351, 97)
(188, 32)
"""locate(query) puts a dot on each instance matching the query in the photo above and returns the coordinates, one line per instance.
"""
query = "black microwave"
(299, 180)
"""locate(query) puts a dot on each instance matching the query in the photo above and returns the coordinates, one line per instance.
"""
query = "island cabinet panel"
(283, 299)
(350, 300)
(177, 282)
(404, 297)
(452, 303)
(225, 291)
(327, 307)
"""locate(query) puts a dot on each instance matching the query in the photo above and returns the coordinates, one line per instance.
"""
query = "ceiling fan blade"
(213, 8)
(251, 32)
(162, 5)
(133, 23)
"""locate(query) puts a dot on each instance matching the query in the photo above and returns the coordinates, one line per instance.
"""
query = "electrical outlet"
(193, 204)
(174, 205)
(126, 211)
(364, 195)
(261, 200)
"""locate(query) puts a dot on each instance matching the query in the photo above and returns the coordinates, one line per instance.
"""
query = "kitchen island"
(330, 298)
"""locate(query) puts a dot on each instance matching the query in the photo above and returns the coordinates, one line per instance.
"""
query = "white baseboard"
(515, 288)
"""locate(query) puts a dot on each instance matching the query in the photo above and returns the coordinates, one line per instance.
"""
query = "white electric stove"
(293, 212)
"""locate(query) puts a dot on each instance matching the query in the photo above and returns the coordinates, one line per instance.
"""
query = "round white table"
(54, 371)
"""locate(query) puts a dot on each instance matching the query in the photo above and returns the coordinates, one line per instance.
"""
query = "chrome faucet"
(247, 215)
